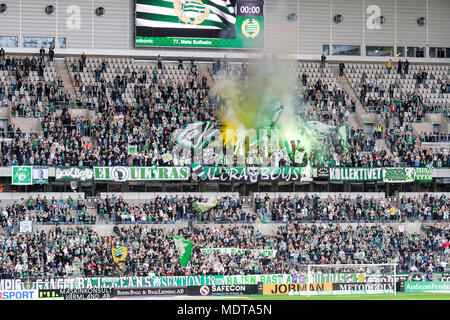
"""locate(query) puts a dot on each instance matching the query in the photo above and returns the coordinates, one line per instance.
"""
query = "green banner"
(355, 174)
(423, 174)
(231, 251)
(398, 175)
(74, 173)
(22, 175)
(427, 286)
(141, 173)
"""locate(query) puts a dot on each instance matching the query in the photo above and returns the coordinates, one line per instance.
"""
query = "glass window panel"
(400, 51)
(8, 42)
(37, 42)
(62, 43)
(379, 51)
(432, 52)
(441, 52)
(326, 49)
(346, 50)
(448, 52)
(411, 52)
(420, 52)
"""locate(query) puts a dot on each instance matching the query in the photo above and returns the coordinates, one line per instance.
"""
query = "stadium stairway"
(361, 116)
(62, 70)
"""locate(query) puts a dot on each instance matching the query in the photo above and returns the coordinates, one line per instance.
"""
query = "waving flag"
(184, 249)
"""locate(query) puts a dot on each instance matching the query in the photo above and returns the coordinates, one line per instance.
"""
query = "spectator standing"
(159, 60)
(389, 66)
(51, 52)
(341, 69)
(42, 52)
(406, 66)
(400, 66)
(323, 59)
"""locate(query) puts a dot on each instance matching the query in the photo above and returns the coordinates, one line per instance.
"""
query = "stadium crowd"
(81, 251)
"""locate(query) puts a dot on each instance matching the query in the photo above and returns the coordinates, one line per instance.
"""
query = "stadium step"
(63, 72)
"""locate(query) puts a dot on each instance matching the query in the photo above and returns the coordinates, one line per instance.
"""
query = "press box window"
(346, 50)
(8, 42)
(379, 51)
(326, 49)
(37, 42)
(62, 43)
(416, 52)
(400, 51)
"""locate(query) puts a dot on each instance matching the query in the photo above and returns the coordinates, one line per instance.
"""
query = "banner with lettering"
(423, 174)
(74, 173)
(232, 251)
(120, 174)
(355, 174)
(255, 174)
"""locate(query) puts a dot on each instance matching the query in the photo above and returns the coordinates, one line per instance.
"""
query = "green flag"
(343, 134)
(201, 207)
(132, 149)
(184, 249)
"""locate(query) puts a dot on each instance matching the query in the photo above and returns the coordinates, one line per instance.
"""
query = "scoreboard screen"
(200, 23)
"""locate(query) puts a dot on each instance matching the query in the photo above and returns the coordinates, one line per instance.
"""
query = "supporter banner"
(40, 175)
(258, 278)
(22, 175)
(74, 173)
(289, 288)
(86, 293)
(260, 252)
(18, 294)
(141, 173)
(112, 282)
(423, 174)
(398, 175)
(323, 172)
(255, 174)
(223, 290)
(355, 174)
(428, 286)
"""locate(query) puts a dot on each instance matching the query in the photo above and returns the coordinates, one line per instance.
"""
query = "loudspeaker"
(338, 18)
(3, 7)
(381, 20)
(100, 11)
(49, 9)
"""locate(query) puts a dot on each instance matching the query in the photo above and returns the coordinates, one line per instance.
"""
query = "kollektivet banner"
(355, 174)
(271, 253)
(141, 173)
(254, 174)
(427, 286)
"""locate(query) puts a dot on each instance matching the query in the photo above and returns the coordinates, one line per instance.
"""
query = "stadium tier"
(180, 148)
